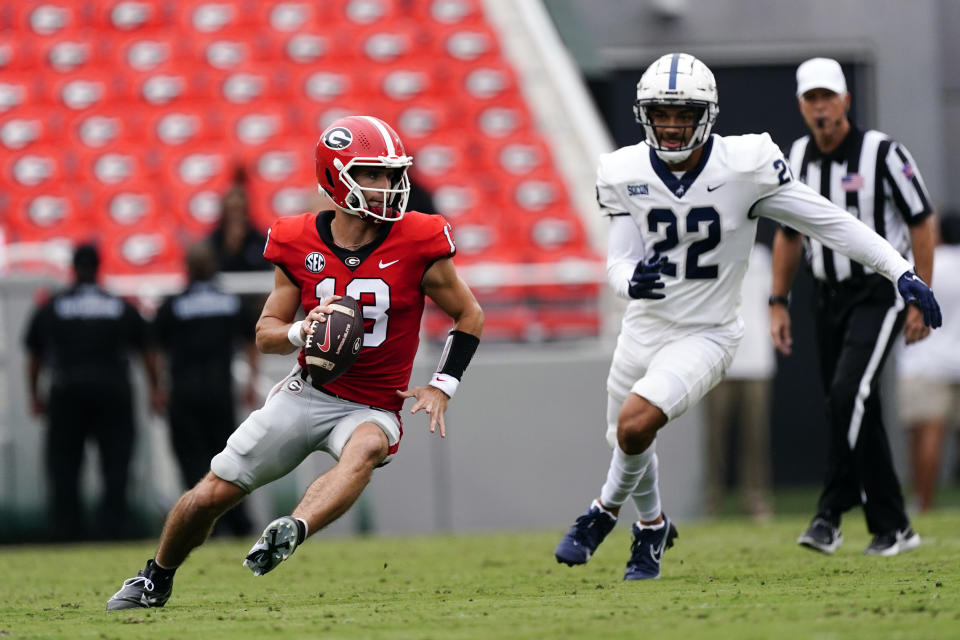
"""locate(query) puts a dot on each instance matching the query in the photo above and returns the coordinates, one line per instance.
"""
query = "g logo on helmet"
(337, 138)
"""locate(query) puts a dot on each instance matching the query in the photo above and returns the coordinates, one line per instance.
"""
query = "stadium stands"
(122, 120)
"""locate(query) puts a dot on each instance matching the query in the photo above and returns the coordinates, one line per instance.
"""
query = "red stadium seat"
(77, 51)
(283, 161)
(255, 125)
(253, 83)
(301, 48)
(129, 15)
(537, 192)
(269, 201)
(291, 16)
(368, 12)
(225, 52)
(136, 252)
(177, 126)
(195, 210)
(145, 51)
(436, 164)
(170, 84)
(198, 166)
(517, 155)
(472, 44)
(406, 82)
(103, 126)
(84, 90)
(385, 43)
(115, 165)
(135, 206)
(324, 85)
(487, 83)
(44, 213)
(499, 118)
(440, 13)
(38, 166)
(423, 120)
(45, 19)
(210, 16)
(26, 126)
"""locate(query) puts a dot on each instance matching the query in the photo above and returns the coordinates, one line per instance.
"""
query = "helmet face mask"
(355, 142)
(677, 80)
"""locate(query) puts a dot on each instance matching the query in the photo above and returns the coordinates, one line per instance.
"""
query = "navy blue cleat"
(586, 534)
(647, 550)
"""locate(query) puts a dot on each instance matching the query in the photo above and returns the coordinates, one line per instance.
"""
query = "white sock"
(646, 493)
(622, 477)
(652, 527)
(599, 505)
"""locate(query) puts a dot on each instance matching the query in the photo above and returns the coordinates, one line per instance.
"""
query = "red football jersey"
(384, 276)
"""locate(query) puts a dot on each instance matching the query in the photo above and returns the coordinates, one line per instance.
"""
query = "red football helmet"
(363, 141)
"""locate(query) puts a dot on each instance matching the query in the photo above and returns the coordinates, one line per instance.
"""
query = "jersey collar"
(324, 218)
(681, 185)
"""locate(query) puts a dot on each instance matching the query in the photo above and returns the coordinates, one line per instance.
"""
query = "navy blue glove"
(916, 292)
(646, 278)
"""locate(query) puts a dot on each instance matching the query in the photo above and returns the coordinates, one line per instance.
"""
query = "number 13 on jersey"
(375, 310)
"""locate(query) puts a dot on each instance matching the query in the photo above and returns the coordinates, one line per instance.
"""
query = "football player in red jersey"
(367, 247)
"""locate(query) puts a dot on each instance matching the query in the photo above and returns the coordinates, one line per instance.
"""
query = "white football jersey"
(704, 222)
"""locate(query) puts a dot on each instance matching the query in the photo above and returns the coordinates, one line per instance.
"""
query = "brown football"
(336, 343)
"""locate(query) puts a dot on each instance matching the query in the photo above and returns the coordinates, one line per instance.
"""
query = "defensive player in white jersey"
(683, 208)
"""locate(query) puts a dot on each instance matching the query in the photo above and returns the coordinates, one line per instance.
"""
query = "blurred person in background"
(370, 248)
(858, 314)
(929, 375)
(236, 243)
(83, 337)
(742, 401)
(199, 330)
(683, 208)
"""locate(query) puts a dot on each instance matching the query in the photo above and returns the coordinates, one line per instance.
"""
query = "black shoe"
(647, 549)
(140, 592)
(586, 534)
(821, 536)
(892, 543)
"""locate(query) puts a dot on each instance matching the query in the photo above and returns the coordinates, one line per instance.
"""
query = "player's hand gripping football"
(646, 279)
(916, 292)
(319, 312)
(433, 401)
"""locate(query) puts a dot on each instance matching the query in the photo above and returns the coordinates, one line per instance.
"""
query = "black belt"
(305, 376)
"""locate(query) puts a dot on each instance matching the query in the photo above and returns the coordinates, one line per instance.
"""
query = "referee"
(859, 312)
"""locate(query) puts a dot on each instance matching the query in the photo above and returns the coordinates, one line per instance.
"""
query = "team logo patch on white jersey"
(315, 262)
(295, 386)
(638, 189)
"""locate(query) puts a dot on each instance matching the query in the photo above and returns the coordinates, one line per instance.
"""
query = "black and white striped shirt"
(875, 179)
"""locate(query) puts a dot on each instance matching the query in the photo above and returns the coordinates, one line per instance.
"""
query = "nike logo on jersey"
(714, 187)
(384, 265)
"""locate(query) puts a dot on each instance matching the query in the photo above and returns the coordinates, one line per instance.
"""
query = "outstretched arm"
(800, 207)
(442, 284)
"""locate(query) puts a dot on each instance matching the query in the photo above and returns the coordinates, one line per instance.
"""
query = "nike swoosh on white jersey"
(384, 265)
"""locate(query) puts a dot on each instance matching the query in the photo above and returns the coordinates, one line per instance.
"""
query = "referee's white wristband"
(295, 334)
(445, 382)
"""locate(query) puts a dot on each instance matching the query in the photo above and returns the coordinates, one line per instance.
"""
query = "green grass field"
(724, 579)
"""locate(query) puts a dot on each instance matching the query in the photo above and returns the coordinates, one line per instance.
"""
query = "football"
(336, 343)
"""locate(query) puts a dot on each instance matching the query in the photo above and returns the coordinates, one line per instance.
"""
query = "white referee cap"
(820, 73)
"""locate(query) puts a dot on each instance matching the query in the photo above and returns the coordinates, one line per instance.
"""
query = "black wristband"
(784, 300)
(457, 353)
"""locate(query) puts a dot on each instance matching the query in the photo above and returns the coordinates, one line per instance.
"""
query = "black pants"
(76, 413)
(856, 325)
(201, 420)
